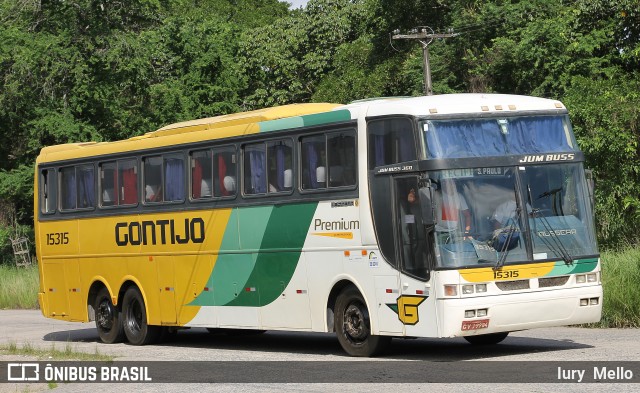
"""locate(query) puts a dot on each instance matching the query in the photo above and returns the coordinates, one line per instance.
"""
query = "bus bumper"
(519, 311)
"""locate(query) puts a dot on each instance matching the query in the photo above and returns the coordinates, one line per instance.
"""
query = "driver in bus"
(507, 213)
(452, 212)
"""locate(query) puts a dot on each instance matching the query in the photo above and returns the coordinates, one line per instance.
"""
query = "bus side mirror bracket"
(425, 194)
(591, 184)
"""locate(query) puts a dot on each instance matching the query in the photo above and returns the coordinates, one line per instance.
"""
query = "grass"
(19, 288)
(620, 280)
(67, 353)
(621, 285)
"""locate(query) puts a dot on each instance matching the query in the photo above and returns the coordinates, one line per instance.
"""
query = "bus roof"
(299, 115)
(455, 104)
(192, 131)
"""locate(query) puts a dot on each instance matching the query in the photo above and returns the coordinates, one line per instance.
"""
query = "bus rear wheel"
(108, 319)
(487, 339)
(136, 329)
(353, 326)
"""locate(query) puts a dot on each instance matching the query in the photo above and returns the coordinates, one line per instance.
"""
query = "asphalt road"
(552, 344)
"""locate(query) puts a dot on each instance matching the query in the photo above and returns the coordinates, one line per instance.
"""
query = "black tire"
(134, 314)
(108, 319)
(353, 327)
(487, 339)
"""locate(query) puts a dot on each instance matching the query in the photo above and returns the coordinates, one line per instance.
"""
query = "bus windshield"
(487, 215)
(497, 136)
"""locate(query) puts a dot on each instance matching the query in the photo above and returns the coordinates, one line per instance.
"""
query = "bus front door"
(415, 256)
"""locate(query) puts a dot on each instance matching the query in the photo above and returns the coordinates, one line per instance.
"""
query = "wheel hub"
(354, 321)
(105, 315)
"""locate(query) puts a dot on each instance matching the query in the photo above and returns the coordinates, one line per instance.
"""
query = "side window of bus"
(108, 184)
(390, 141)
(86, 186)
(255, 176)
(174, 178)
(280, 166)
(342, 158)
(164, 178)
(127, 182)
(313, 161)
(201, 174)
(47, 191)
(68, 191)
(153, 179)
(77, 187)
(213, 173)
(224, 173)
(119, 183)
(328, 160)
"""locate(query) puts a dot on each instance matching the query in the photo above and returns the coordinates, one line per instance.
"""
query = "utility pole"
(425, 36)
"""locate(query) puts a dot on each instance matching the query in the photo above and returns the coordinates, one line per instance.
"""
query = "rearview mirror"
(426, 208)
(591, 184)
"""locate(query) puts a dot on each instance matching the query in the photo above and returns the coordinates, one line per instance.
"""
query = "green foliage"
(607, 126)
(284, 62)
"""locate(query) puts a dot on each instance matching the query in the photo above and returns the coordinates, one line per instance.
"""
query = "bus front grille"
(513, 285)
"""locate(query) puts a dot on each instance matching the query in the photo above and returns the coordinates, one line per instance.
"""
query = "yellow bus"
(442, 216)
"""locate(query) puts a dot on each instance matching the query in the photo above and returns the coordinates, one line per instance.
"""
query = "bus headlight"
(592, 277)
(470, 313)
(467, 289)
(581, 279)
(451, 290)
(482, 312)
(481, 288)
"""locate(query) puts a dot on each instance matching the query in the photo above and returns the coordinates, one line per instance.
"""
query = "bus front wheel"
(136, 329)
(108, 319)
(353, 326)
(487, 339)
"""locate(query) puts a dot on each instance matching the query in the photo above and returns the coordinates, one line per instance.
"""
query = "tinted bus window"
(77, 187)
(313, 158)
(47, 191)
(280, 162)
(255, 176)
(119, 183)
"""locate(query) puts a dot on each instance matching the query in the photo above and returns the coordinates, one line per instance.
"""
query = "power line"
(424, 35)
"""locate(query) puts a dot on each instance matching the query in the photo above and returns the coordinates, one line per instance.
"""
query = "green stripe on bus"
(232, 269)
(578, 266)
(326, 117)
(258, 278)
(253, 223)
(281, 124)
(287, 229)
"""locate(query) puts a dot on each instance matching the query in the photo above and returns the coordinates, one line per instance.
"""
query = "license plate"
(475, 325)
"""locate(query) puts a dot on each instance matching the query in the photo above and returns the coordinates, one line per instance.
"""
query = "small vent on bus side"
(552, 281)
(512, 285)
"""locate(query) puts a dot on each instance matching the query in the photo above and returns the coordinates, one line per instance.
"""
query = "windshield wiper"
(504, 250)
(555, 203)
(549, 193)
(558, 248)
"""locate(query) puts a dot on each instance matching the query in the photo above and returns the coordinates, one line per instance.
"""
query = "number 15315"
(57, 238)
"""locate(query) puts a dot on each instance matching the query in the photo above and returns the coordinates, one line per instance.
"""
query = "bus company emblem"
(160, 232)
(548, 157)
(341, 229)
(406, 307)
